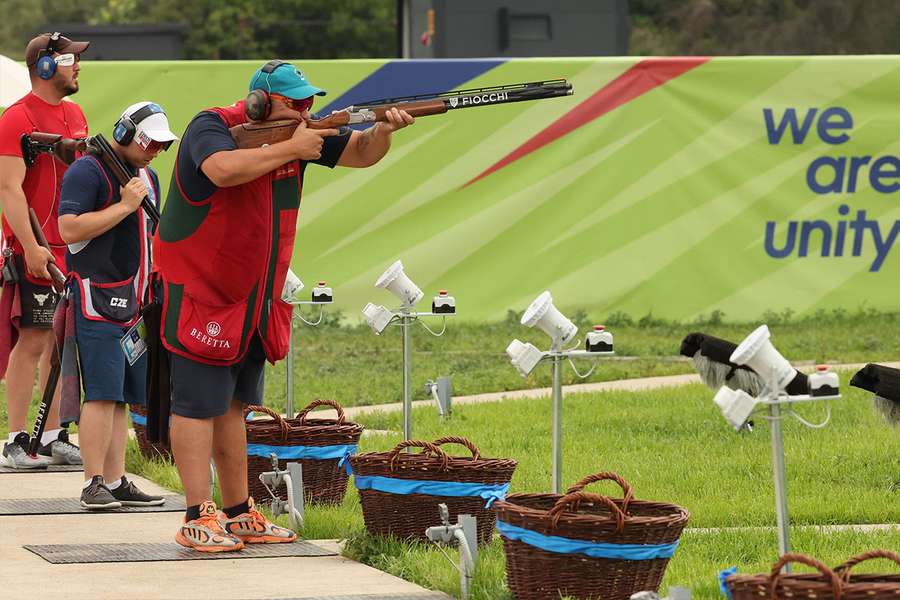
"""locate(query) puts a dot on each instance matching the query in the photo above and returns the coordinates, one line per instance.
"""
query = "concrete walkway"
(26, 575)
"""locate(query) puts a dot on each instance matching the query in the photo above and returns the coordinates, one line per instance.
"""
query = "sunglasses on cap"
(298, 105)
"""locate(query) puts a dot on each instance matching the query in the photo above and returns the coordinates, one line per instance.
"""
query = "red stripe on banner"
(636, 81)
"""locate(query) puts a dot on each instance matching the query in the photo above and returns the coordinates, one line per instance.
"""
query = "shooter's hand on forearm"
(133, 193)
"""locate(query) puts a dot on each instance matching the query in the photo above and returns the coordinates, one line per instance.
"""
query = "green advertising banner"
(676, 187)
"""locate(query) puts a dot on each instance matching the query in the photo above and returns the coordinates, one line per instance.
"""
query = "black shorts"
(38, 301)
(202, 391)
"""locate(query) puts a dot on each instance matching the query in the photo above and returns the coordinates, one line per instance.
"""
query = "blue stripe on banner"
(137, 419)
(392, 485)
(295, 452)
(561, 545)
(405, 78)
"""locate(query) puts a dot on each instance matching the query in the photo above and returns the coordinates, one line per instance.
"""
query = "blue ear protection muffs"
(46, 66)
(258, 106)
(126, 127)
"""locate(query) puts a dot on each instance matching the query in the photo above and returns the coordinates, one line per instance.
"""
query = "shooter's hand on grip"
(307, 143)
(44, 263)
(37, 259)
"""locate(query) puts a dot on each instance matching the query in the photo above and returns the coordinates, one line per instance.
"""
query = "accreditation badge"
(134, 342)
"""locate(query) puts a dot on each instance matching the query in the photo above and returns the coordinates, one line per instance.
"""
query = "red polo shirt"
(43, 179)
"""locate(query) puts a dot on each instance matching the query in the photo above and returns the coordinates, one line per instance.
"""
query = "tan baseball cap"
(54, 42)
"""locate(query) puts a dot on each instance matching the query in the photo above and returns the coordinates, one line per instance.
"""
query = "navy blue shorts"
(202, 391)
(105, 372)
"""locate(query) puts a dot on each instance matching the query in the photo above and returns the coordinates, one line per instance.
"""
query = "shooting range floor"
(25, 574)
(629, 385)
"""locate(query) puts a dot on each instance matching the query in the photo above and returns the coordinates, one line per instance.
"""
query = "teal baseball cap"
(280, 77)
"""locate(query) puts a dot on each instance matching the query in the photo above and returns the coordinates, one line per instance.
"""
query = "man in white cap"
(108, 237)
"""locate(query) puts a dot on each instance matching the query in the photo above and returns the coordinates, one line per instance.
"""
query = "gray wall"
(483, 28)
(126, 42)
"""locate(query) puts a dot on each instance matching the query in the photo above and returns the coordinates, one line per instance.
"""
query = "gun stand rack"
(556, 357)
(404, 317)
(774, 404)
(297, 317)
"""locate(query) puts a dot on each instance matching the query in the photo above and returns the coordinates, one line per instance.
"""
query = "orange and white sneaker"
(205, 534)
(252, 527)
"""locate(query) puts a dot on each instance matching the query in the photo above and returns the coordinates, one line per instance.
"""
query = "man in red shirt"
(53, 65)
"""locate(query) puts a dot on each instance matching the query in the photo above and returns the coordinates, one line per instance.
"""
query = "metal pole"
(778, 468)
(407, 401)
(557, 424)
(289, 376)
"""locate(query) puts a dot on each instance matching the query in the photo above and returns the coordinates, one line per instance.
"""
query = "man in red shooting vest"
(26, 309)
(223, 249)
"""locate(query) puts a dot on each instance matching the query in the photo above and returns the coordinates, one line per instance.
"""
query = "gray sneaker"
(15, 454)
(97, 496)
(61, 451)
(129, 495)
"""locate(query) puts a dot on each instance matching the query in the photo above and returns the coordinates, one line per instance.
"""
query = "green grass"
(671, 444)
(355, 367)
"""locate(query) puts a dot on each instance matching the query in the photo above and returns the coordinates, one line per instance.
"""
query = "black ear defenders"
(258, 105)
(46, 66)
(126, 127)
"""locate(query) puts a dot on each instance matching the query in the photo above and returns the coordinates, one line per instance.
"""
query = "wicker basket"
(324, 478)
(869, 586)
(601, 548)
(838, 584)
(407, 512)
(149, 450)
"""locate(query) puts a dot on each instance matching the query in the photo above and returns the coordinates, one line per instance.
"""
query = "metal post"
(778, 469)
(557, 424)
(405, 322)
(289, 378)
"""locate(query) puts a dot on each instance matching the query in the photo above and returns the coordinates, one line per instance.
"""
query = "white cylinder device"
(546, 317)
(395, 281)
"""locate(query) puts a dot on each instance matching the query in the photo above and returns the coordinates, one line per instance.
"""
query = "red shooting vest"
(223, 262)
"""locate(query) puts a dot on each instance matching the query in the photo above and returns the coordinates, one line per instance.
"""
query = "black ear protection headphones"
(258, 105)
(126, 127)
(46, 66)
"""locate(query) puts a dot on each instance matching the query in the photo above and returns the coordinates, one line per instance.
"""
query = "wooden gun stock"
(66, 150)
(56, 276)
(264, 133)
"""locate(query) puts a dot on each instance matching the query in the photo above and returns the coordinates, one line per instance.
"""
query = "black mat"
(72, 506)
(61, 554)
(49, 469)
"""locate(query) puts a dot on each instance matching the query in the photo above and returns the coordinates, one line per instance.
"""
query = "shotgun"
(257, 134)
(65, 150)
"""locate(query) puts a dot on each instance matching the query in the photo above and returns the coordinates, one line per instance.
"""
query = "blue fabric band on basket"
(562, 545)
(295, 452)
(137, 419)
(392, 485)
(723, 586)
